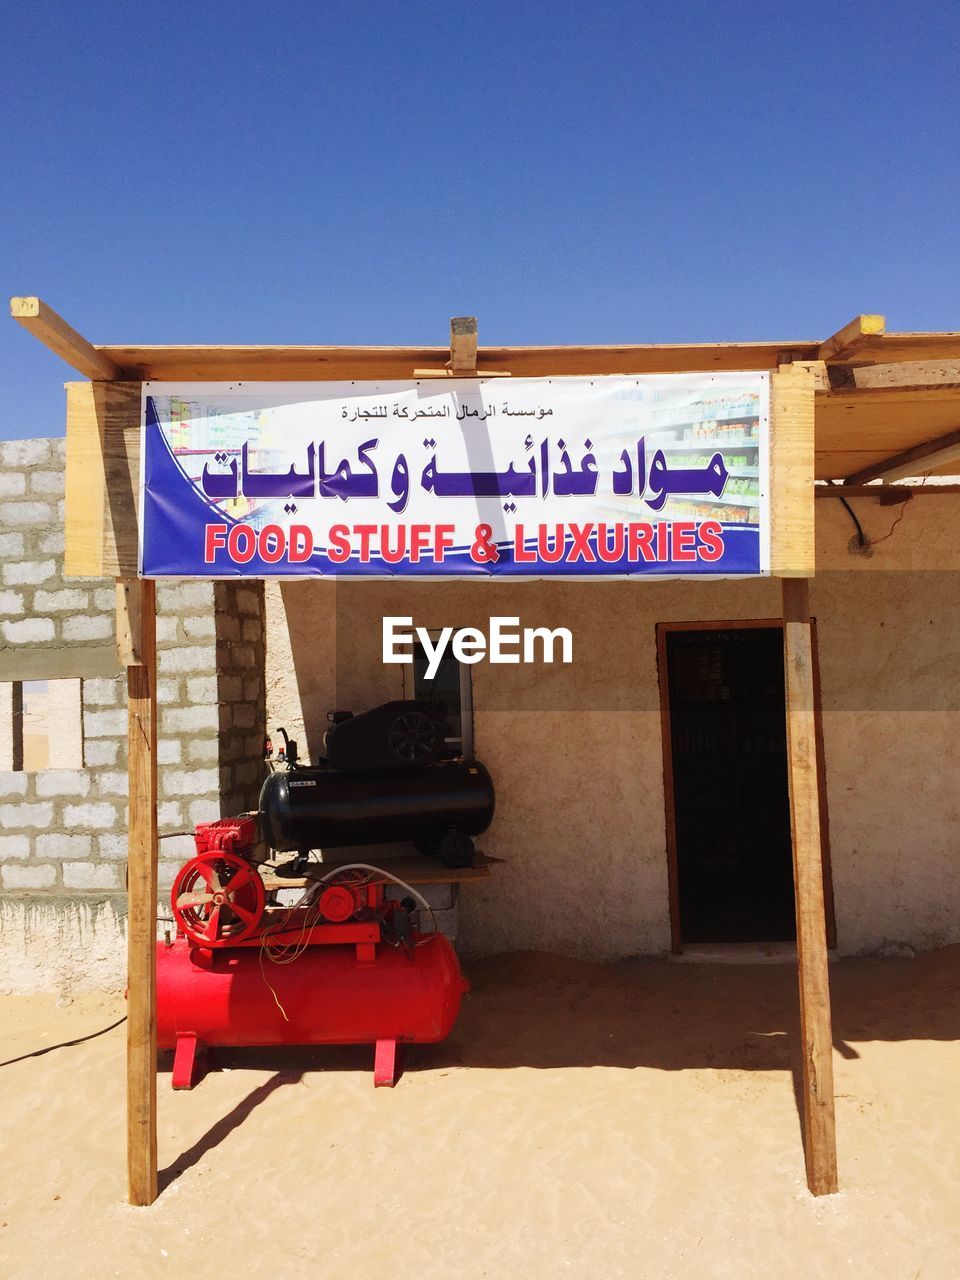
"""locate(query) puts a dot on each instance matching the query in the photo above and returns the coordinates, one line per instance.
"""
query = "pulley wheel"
(217, 899)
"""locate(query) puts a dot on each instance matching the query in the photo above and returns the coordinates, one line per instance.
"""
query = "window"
(41, 725)
(450, 690)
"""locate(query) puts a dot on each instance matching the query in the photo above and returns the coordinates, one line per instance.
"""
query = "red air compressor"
(344, 965)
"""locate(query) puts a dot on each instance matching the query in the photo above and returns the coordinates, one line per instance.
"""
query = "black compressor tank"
(438, 807)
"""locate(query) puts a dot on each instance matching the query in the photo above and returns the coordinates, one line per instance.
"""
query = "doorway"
(725, 771)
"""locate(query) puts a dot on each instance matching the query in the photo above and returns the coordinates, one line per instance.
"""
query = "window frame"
(466, 692)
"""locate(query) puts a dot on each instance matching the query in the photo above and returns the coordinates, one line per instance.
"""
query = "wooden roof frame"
(909, 380)
(106, 423)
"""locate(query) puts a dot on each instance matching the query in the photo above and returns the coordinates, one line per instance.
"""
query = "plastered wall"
(575, 751)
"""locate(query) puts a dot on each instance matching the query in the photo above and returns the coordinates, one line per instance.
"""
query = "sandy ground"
(584, 1120)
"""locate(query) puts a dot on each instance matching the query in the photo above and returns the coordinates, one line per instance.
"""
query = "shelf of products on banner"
(737, 437)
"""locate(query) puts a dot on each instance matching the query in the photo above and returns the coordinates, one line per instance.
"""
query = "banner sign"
(534, 477)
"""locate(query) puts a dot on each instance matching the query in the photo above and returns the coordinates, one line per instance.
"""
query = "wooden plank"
(888, 348)
(450, 373)
(307, 363)
(142, 906)
(71, 662)
(887, 493)
(819, 1121)
(817, 369)
(855, 429)
(829, 906)
(102, 479)
(792, 511)
(848, 340)
(15, 762)
(186, 363)
(906, 373)
(463, 345)
(413, 869)
(940, 452)
(128, 602)
(54, 332)
(669, 790)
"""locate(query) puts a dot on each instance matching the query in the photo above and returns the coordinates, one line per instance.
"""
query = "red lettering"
(365, 532)
(241, 544)
(581, 549)
(301, 543)
(548, 554)
(215, 538)
(683, 541)
(419, 541)
(520, 554)
(641, 542)
(608, 554)
(339, 548)
(271, 543)
(393, 555)
(442, 542)
(711, 539)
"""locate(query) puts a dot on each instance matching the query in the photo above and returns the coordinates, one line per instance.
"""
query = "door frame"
(663, 629)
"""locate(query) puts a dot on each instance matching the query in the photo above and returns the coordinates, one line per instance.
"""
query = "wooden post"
(819, 1121)
(463, 345)
(136, 626)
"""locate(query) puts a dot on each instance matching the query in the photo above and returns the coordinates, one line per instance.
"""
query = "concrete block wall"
(239, 620)
(63, 832)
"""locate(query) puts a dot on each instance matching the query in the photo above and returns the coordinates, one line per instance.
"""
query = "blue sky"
(358, 173)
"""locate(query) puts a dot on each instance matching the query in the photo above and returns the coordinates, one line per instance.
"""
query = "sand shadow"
(225, 1126)
(530, 1009)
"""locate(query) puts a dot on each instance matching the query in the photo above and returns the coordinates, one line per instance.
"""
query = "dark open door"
(731, 809)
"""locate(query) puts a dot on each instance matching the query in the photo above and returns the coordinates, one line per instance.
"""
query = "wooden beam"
(72, 662)
(142, 899)
(819, 1121)
(906, 373)
(886, 493)
(848, 340)
(54, 332)
(129, 622)
(888, 348)
(921, 458)
(182, 363)
(817, 369)
(308, 364)
(102, 479)
(463, 346)
(792, 515)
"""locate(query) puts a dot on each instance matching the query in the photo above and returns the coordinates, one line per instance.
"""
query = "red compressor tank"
(222, 997)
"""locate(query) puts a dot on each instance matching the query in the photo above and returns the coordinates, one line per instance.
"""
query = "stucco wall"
(576, 755)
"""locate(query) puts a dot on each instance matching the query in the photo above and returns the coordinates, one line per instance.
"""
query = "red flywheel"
(217, 899)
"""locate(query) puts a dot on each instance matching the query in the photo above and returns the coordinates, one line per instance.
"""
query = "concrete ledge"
(64, 945)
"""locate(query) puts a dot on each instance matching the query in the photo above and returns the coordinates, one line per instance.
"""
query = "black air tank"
(312, 808)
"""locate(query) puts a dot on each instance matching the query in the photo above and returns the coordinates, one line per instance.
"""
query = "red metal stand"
(386, 1064)
(189, 1061)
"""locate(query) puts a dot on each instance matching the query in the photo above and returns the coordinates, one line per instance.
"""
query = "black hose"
(861, 537)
